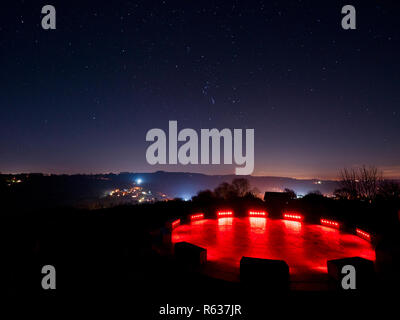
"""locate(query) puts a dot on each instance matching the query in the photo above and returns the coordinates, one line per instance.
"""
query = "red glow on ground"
(225, 221)
(292, 216)
(306, 248)
(330, 223)
(197, 216)
(176, 223)
(258, 224)
(254, 213)
(292, 226)
(224, 214)
(363, 234)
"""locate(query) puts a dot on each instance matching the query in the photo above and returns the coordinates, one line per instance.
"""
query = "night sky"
(80, 99)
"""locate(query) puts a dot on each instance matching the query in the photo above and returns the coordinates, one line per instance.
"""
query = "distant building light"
(139, 181)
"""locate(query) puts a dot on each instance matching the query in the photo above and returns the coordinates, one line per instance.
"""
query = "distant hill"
(180, 184)
(38, 190)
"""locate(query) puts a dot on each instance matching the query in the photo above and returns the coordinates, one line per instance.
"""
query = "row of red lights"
(224, 213)
(293, 216)
(176, 223)
(197, 216)
(363, 234)
(359, 232)
(289, 216)
(330, 223)
(257, 214)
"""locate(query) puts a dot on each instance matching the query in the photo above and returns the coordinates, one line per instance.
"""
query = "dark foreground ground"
(110, 255)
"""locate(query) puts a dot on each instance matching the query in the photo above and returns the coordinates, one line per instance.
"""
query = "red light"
(305, 248)
(176, 223)
(330, 223)
(363, 234)
(221, 214)
(293, 216)
(257, 214)
(197, 216)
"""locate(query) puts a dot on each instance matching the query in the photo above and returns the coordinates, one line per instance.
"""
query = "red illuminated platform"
(305, 248)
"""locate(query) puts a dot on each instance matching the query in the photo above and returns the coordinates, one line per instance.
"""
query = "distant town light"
(139, 181)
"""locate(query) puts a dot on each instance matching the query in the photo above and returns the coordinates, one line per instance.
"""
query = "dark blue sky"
(82, 97)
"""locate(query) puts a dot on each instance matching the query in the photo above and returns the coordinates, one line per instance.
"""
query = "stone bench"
(190, 254)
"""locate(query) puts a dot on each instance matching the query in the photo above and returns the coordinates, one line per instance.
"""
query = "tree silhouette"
(359, 183)
(291, 193)
(241, 186)
(389, 190)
